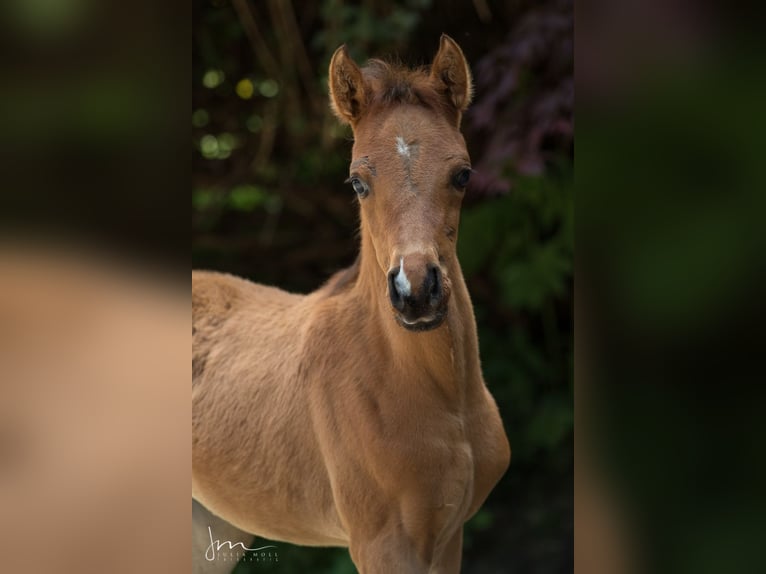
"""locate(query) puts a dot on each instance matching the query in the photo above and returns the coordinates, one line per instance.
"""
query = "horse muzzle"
(419, 295)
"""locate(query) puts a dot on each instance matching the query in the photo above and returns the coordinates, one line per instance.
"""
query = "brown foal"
(357, 415)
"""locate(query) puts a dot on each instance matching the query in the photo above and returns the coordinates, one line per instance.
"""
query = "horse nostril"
(434, 282)
(393, 293)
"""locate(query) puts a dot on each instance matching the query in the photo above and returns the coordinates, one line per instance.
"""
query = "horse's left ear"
(348, 91)
(451, 75)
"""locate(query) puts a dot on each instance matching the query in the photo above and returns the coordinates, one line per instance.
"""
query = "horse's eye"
(359, 186)
(460, 179)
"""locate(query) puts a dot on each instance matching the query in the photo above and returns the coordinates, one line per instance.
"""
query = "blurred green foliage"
(674, 296)
(268, 203)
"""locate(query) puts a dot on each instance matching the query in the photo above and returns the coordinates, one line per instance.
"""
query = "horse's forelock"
(392, 84)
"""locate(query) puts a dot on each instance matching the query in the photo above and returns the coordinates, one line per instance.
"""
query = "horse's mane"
(394, 83)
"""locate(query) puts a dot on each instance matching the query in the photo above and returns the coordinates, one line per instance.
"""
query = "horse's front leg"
(388, 551)
(395, 550)
(451, 557)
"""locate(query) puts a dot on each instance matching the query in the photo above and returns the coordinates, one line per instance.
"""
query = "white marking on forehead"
(401, 281)
(402, 147)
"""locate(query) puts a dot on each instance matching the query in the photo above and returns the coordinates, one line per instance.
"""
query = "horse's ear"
(450, 74)
(348, 92)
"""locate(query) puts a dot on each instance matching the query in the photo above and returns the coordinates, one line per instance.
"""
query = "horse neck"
(447, 355)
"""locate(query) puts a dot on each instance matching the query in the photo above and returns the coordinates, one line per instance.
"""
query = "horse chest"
(490, 447)
(409, 445)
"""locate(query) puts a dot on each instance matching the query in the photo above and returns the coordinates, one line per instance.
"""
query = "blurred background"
(94, 292)
(670, 283)
(268, 203)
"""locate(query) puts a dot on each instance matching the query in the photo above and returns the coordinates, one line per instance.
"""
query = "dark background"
(268, 203)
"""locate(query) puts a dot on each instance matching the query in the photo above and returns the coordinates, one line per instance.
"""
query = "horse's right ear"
(348, 92)
(451, 75)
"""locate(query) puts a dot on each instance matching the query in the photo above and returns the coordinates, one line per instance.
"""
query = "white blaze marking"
(402, 147)
(401, 281)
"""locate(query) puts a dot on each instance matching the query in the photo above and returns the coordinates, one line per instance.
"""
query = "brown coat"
(321, 419)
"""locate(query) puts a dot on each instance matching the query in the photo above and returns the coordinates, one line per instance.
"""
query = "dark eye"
(359, 186)
(460, 179)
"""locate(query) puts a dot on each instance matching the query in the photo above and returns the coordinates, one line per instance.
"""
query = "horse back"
(223, 304)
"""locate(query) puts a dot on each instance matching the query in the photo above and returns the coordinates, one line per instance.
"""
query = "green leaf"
(205, 198)
(551, 422)
(483, 520)
(478, 237)
(247, 197)
(527, 283)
